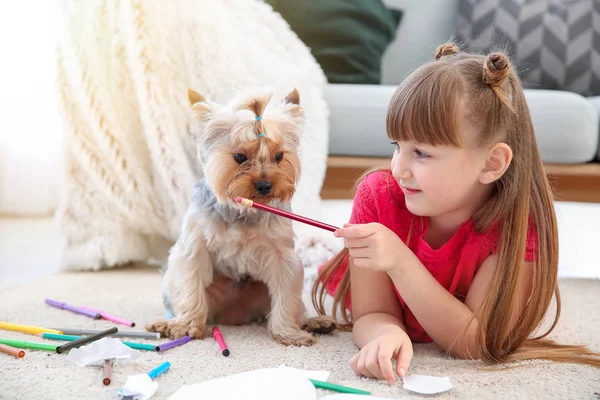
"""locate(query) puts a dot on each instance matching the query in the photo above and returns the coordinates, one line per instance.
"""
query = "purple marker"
(76, 310)
(174, 343)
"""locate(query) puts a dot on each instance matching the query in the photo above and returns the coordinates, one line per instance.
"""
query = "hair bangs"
(414, 111)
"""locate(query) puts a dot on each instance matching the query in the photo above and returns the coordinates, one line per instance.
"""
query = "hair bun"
(496, 68)
(447, 49)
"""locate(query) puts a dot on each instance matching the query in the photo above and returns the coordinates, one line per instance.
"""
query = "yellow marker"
(32, 330)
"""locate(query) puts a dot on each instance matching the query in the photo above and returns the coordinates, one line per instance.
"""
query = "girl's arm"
(375, 305)
(443, 316)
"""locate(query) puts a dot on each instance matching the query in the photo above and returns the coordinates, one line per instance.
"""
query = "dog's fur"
(233, 264)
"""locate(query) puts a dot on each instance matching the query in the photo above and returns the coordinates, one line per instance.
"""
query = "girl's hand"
(375, 359)
(372, 246)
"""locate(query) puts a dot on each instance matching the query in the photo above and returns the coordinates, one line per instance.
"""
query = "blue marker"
(159, 370)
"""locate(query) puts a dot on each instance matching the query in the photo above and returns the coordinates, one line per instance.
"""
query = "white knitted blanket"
(124, 67)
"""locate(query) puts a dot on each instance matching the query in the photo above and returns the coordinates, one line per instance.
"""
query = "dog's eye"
(240, 158)
(278, 157)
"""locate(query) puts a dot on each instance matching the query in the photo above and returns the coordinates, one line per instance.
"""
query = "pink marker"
(111, 318)
(219, 338)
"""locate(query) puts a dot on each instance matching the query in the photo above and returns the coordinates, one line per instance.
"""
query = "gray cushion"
(596, 102)
(555, 43)
(566, 124)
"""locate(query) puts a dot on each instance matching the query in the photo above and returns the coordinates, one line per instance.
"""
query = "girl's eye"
(278, 157)
(396, 145)
(240, 158)
(420, 154)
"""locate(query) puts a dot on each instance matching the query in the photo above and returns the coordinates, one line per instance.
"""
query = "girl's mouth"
(408, 191)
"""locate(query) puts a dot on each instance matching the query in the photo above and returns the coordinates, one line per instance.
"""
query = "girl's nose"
(400, 168)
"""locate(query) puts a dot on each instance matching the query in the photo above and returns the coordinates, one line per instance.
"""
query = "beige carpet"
(135, 293)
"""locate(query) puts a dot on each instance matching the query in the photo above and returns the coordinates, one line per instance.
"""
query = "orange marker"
(219, 338)
(12, 351)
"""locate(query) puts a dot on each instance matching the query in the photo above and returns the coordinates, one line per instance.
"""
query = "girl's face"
(441, 181)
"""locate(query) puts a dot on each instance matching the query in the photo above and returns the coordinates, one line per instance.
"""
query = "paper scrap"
(318, 375)
(347, 396)
(260, 384)
(427, 384)
(100, 350)
(139, 387)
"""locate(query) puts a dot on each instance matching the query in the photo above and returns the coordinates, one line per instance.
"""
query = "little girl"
(457, 242)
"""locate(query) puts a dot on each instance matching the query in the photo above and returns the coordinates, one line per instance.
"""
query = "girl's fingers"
(354, 363)
(403, 358)
(372, 362)
(362, 362)
(354, 231)
(360, 252)
(385, 362)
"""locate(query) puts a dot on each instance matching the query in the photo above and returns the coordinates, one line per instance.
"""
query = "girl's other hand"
(375, 359)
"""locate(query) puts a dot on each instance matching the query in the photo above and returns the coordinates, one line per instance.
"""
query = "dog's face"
(249, 148)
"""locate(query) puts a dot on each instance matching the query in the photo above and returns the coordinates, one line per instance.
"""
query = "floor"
(29, 248)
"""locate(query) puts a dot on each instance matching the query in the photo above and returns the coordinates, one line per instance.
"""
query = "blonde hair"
(424, 109)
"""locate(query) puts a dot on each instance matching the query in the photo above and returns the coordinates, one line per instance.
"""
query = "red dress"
(454, 265)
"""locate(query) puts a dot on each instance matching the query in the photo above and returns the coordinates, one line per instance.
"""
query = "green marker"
(69, 338)
(337, 388)
(21, 344)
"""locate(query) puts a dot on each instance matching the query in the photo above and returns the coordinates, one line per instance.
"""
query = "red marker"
(277, 211)
(219, 338)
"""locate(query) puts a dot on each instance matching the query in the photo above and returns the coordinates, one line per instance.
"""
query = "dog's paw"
(320, 324)
(158, 326)
(297, 338)
(176, 330)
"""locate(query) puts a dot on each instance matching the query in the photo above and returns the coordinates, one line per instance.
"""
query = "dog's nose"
(263, 187)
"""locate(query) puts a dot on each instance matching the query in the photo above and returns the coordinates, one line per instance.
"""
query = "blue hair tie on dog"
(259, 118)
(261, 134)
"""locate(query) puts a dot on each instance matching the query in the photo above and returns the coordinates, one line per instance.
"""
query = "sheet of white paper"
(100, 350)
(142, 386)
(318, 375)
(260, 384)
(427, 384)
(346, 396)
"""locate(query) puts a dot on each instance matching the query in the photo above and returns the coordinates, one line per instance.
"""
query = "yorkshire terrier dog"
(233, 264)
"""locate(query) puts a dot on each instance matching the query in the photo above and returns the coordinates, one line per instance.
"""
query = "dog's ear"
(200, 106)
(194, 97)
(292, 105)
(293, 97)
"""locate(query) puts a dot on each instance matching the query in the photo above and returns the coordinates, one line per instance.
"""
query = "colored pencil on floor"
(86, 340)
(111, 318)
(174, 343)
(25, 328)
(337, 388)
(21, 344)
(107, 372)
(68, 338)
(120, 333)
(75, 309)
(11, 351)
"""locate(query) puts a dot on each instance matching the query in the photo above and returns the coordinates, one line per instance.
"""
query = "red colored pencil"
(277, 211)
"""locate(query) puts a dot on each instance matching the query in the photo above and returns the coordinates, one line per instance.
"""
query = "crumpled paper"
(138, 387)
(100, 350)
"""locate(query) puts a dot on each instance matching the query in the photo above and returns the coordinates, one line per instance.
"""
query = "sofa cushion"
(347, 37)
(565, 123)
(596, 102)
(555, 43)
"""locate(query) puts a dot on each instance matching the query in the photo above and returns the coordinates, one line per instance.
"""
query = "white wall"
(30, 131)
